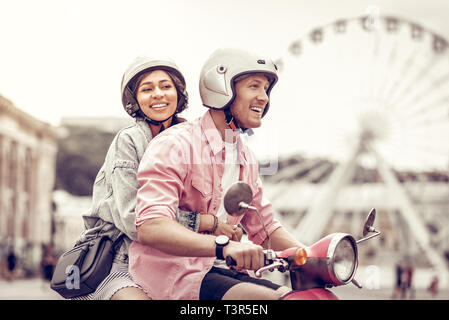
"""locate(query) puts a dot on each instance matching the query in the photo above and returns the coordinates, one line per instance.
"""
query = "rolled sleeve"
(154, 212)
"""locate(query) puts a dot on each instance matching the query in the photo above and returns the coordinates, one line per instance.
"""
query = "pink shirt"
(182, 167)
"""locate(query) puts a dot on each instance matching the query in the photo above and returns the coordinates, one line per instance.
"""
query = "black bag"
(80, 270)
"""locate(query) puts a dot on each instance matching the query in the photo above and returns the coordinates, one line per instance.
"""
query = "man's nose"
(263, 96)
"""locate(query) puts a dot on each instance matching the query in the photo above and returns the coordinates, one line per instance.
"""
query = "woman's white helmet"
(142, 65)
(224, 66)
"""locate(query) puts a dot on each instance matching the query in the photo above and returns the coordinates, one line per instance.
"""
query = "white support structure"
(319, 215)
(414, 221)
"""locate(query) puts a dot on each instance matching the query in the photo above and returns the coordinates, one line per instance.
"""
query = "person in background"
(11, 261)
(48, 262)
(433, 286)
(399, 270)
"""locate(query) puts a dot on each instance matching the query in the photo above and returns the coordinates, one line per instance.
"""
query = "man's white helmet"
(145, 64)
(224, 66)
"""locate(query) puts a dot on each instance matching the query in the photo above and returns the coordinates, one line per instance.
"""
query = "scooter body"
(331, 261)
(310, 294)
(311, 276)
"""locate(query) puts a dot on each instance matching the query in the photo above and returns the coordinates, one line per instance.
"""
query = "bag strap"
(116, 241)
(84, 249)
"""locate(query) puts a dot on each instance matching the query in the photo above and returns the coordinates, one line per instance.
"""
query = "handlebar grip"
(230, 261)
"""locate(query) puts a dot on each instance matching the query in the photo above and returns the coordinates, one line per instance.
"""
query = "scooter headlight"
(342, 258)
(345, 260)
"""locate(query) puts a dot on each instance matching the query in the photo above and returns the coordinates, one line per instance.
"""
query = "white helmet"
(145, 64)
(224, 66)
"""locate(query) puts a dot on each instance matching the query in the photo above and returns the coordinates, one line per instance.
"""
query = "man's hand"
(247, 255)
(231, 231)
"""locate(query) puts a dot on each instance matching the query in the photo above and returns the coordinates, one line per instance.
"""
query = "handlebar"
(269, 255)
(271, 262)
(230, 261)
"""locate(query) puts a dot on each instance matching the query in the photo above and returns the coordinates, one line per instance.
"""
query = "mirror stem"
(247, 206)
(371, 236)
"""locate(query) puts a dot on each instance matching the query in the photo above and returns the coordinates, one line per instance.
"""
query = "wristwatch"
(220, 242)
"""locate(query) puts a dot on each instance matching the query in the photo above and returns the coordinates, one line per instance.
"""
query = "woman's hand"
(207, 223)
(233, 232)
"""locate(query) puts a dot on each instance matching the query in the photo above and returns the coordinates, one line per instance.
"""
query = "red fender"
(311, 294)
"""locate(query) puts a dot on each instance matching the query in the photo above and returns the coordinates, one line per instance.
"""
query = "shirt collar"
(215, 141)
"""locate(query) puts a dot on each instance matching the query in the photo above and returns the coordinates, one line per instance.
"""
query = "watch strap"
(219, 251)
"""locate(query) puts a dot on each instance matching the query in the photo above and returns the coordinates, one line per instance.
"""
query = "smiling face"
(157, 95)
(250, 101)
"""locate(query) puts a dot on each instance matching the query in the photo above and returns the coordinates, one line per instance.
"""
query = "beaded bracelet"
(214, 228)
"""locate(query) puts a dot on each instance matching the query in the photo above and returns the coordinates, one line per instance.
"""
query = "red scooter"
(332, 261)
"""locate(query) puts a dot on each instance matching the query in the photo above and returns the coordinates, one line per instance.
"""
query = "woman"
(153, 92)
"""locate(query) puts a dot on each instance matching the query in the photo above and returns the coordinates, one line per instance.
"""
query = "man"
(190, 166)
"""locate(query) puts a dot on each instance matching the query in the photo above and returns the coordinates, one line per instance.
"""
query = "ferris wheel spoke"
(419, 76)
(424, 89)
(372, 79)
(392, 59)
(392, 31)
(403, 72)
(414, 33)
(420, 101)
(439, 109)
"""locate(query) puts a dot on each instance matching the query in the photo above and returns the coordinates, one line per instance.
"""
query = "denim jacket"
(115, 189)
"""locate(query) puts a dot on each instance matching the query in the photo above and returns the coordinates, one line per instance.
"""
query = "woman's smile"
(157, 95)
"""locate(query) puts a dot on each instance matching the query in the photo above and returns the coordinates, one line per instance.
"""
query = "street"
(36, 289)
(27, 289)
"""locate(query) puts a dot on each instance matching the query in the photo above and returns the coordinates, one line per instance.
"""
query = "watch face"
(221, 240)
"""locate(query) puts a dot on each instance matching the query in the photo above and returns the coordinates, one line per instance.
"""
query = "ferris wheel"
(380, 77)
(378, 88)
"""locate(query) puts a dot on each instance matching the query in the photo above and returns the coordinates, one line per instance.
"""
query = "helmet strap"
(156, 122)
(233, 124)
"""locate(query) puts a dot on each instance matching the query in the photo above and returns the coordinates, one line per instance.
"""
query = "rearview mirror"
(238, 193)
(368, 226)
(369, 222)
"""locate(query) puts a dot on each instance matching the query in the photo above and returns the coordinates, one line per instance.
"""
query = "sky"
(63, 58)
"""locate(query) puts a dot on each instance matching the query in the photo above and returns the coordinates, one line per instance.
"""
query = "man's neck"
(226, 132)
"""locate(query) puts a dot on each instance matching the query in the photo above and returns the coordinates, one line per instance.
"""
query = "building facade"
(28, 150)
